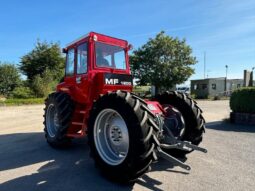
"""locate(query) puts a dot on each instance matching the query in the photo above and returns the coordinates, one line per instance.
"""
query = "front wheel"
(57, 117)
(121, 135)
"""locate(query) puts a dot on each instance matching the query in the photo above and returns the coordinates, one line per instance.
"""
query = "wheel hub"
(56, 120)
(116, 135)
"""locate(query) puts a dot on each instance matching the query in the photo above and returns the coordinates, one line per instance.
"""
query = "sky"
(224, 29)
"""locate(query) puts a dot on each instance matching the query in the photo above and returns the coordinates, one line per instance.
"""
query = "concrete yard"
(28, 163)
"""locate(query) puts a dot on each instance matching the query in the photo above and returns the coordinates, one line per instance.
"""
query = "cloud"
(171, 30)
(228, 31)
(252, 17)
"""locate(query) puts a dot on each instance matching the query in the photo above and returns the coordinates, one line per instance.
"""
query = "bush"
(216, 97)
(22, 92)
(43, 84)
(243, 100)
(201, 97)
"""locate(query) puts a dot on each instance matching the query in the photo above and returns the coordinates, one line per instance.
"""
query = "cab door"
(69, 69)
(81, 79)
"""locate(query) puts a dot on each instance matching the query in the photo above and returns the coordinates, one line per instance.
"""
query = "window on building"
(82, 59)
(70, 63)
(204, 86)
(214, 86)
(195, 87)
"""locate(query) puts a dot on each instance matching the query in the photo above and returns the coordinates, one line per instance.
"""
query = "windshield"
(110, 56)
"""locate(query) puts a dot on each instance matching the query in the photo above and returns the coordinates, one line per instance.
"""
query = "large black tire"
(63, 106)
(192, 115)
(141, 129)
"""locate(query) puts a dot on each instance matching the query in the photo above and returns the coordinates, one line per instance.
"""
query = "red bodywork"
(85, 88)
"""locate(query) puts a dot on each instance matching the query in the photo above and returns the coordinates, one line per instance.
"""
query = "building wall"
(235, 83)
(214, 86)
(199, 88)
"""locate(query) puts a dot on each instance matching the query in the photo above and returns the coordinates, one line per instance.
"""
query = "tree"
(45, 56)
(163, 62)
(9, 78)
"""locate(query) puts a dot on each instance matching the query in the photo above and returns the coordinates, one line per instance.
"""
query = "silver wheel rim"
(111, 137)
(52, 120)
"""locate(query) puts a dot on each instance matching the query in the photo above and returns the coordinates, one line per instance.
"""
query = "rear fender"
(155, 107)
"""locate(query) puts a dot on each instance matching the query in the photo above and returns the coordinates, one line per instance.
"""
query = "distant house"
(203, 88)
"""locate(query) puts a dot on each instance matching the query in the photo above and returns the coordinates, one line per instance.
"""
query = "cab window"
(70, 63)
(110, 56)
(82, 58)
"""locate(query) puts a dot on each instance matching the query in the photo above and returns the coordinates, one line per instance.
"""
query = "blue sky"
(225, 29)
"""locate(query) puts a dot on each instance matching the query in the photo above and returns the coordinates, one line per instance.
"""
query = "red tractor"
(126, 133)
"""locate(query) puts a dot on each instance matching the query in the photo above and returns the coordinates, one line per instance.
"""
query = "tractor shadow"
(162, 165)
(36, 166)
(227, 126)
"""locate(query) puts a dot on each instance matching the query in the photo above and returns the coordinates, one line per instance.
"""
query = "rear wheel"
(57, 117)
(121, 136)
(183, 118)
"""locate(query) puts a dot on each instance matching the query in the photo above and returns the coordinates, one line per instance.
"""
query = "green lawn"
(29, 101)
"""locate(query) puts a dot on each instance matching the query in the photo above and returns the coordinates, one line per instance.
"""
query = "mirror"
(130, 47)
(64, 50)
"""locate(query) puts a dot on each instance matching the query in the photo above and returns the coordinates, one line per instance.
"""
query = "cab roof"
(101, 38)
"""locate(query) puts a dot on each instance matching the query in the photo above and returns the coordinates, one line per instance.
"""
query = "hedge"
(243, 100)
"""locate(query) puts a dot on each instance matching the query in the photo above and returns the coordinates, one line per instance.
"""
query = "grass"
(29, 101)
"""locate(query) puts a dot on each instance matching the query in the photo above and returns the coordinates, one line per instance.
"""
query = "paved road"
(28, 163)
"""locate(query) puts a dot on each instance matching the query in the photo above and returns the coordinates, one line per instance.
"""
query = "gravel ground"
(28, 163)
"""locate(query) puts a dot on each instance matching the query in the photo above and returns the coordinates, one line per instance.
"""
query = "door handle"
(78, 80)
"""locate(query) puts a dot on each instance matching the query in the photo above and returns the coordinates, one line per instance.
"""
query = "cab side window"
(70, 63)
(82, 58)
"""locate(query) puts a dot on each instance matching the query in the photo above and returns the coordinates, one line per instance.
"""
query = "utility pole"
(207, 73)
(226, 79)
(226, 71)
(204, 63)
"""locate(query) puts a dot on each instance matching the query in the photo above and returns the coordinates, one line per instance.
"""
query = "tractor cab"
(96, 62)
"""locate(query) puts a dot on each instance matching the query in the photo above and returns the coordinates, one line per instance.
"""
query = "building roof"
(219, 78)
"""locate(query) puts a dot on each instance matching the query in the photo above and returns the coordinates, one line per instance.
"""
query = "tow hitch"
(182, 145)
(174, 143)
